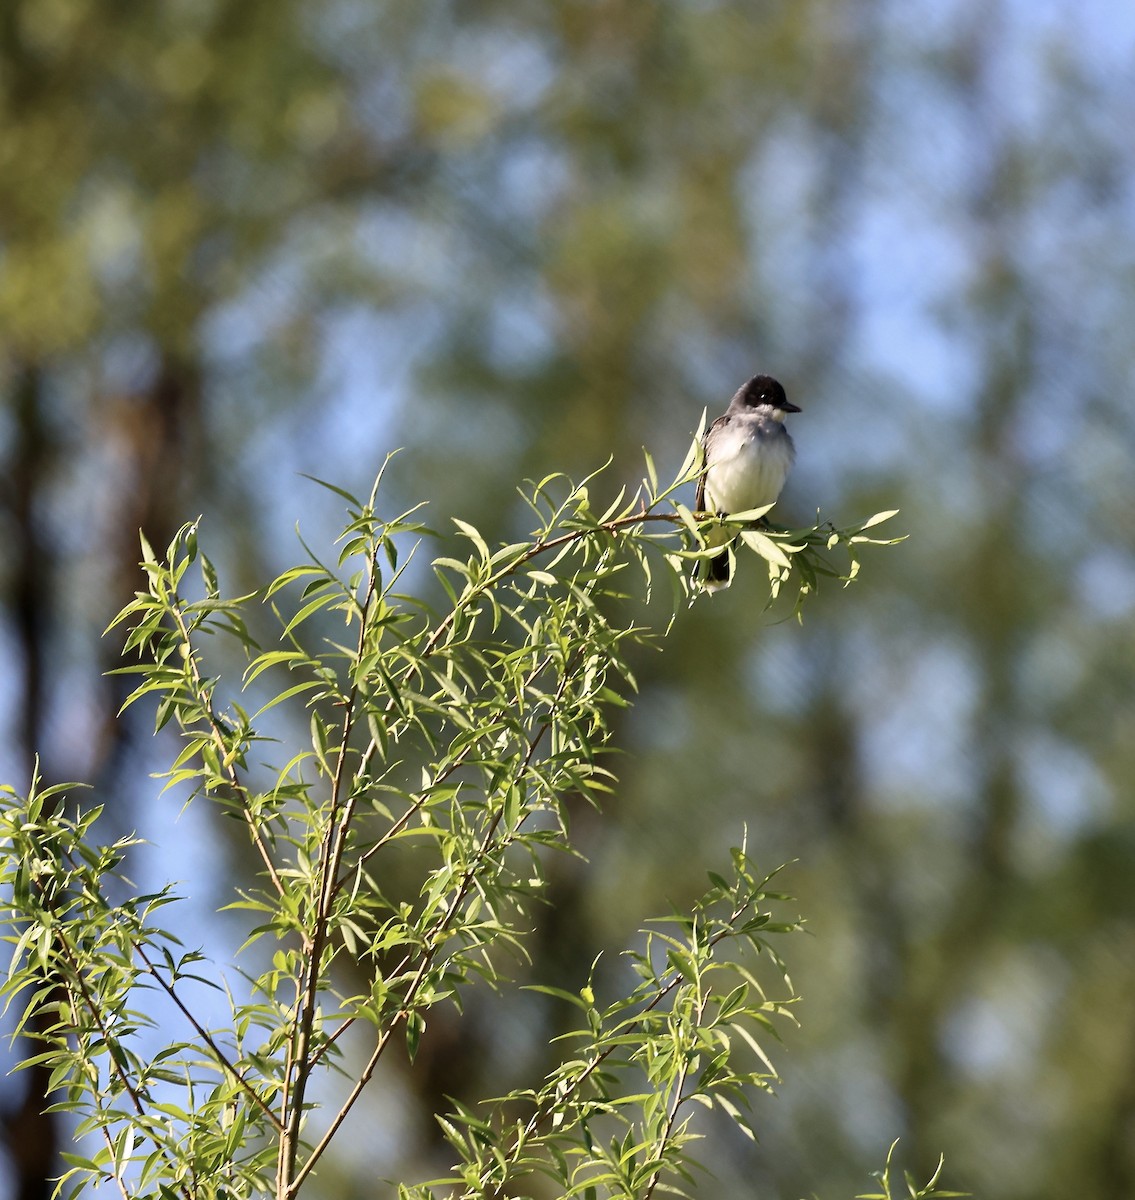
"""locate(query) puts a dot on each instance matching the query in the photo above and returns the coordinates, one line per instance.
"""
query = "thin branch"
(676, 1100)
(537, 549)
(219, 1055)
(363, 1079)
(420, 802)
(300, 1063)
(433, 947)
(216, 730)
(115, 1066)
(542, 1111)
(118, 1179)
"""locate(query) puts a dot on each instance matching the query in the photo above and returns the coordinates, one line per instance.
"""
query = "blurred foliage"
(241, 240)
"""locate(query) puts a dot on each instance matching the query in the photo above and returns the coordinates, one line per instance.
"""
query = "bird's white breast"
(748, 465)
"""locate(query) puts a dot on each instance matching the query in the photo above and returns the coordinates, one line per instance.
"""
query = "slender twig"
(542, 547)
(218, 1054)
(216, 730)
(432, 941)
(677, 1098)
(538, 548)
(111, 1042)
(676, 1102)
(542, 1111)
(299, 1062)
(363, 1079)
(418, 804)
(108, 1037)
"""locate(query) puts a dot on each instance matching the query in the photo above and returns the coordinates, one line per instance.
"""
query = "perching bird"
(748, 455)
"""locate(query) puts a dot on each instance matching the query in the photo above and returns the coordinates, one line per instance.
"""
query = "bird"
(747, 454)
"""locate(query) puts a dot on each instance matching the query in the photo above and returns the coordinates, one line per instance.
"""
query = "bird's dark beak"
(788, 406)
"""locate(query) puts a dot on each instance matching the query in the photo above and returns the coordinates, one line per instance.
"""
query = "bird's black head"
(763, 389)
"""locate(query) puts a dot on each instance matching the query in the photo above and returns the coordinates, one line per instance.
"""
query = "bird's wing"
(707, 446)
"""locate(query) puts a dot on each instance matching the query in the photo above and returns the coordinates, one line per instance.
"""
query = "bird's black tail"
(714, 573)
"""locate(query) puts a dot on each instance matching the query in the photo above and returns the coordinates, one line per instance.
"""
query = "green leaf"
(765, 547)
(474, 535)
(331, 487)
(580, 1001)
(415, 1026)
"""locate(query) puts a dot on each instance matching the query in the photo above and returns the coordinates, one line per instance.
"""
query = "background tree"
(244, 240)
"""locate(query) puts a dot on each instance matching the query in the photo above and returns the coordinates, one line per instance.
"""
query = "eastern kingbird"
(748, 455)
